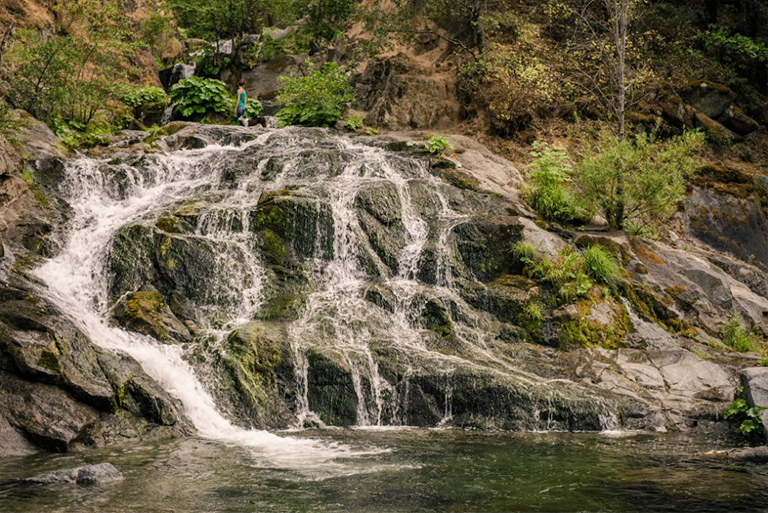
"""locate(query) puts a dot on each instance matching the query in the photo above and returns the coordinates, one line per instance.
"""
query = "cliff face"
(316, 279)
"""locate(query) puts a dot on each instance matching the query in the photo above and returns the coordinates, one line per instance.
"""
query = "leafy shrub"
(637, 184)
(52, 73)
(548, 193)
(210, 65)
(139, 97)
(327, 18)
(438, 145)
(525, 253)
(197, 96)
(567, 274)
(317, 99)
(737, 49)
(601, 265)
(749, 420)
(253, 108)
(354, 123)
(735, 337)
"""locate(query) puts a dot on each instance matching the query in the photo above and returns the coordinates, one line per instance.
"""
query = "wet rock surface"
(314, 279)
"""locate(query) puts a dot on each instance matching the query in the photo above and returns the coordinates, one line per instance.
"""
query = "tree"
(58, 75)
(641, 180)
(609, 64)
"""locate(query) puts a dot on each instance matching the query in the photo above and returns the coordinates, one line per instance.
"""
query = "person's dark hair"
(241, 82)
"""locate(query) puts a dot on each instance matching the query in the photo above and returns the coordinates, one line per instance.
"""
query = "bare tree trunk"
(619, 10)
(6, 38)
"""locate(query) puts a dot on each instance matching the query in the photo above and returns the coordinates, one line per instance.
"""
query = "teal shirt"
(241, 100)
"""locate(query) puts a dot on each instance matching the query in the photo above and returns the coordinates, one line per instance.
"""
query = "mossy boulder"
(331, 389)
(59, 391)
(303, 225)
(186, 270)
(593, 322)
(486, 246)
(146, 312)
(258, 360)
(380, 216)
(708, 97)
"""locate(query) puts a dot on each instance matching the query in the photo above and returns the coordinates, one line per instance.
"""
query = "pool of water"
(402, 471)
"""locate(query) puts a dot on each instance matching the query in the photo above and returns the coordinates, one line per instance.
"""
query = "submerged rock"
(101, 473)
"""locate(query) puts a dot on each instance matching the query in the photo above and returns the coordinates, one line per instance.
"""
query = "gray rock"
(758, 455)
(56, 477)
(755, 383)
(173, 75)
(98, 474)
(709, 98)
(736, 120)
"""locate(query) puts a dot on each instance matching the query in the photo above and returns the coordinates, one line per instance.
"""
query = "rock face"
(716, 112)
(314, 279)
(400, 94)
(175, 74)
(262, 81)
(755, 384)
(389, 294)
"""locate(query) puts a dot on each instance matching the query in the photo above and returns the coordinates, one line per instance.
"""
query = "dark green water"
(423, 470)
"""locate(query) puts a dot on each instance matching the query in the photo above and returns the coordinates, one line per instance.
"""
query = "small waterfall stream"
(223, 186)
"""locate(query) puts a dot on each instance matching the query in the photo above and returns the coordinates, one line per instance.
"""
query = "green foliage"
(354, 123)
(438, 145)
(749, 420)
(735, 337)
(548, 193)
(525, 253)
(253, 108)
(601, 265)
(328, 18)
(55, 75)
(567, 274)
(736, 48)
(319, 98)
(533, 312)
(210, 65)
(637, 183)
(198, 96)
(135, 98)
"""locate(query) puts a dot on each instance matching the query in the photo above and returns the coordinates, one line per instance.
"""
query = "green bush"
(198, 96)
(601, 265)
(567, 274)
(548, 193)
(354, 123)
(438, 145)
(749, 420)
(637, 183)
(327, 18)
(135, 98)
(525, 253)
(735, 337)
(319, 98)
(253, 108)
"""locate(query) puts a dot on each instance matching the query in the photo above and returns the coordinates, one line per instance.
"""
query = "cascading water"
(77, 284)
(221, 188)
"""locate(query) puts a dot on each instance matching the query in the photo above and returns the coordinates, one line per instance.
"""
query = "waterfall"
(76, 284)
(220, 187)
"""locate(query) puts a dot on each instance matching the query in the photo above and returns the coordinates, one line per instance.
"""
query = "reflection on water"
(406, 470)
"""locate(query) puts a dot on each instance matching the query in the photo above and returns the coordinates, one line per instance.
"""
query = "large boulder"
(754, 381)
(262, 81)
(59, 391)
(175, 74)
